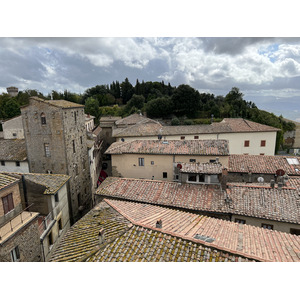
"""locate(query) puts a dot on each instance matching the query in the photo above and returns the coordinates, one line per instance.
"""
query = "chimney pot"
(101, 236)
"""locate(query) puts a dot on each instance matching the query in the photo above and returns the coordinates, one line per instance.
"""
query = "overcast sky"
(266, 70)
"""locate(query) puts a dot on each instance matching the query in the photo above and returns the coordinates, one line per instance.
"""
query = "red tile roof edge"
(185, 237)
(237, 184)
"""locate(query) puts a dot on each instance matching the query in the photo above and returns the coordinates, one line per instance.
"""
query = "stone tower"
(56, 143)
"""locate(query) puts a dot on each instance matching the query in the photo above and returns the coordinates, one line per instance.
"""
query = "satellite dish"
(179, 166)
(260, 179)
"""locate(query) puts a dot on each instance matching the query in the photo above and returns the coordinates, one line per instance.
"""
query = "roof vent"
(158, 224)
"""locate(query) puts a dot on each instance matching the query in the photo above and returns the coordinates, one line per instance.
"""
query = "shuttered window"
(8, 203)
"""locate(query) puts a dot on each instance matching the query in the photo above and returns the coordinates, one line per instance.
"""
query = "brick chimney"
(224, 178)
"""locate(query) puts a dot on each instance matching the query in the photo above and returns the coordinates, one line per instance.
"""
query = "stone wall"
(28, 241)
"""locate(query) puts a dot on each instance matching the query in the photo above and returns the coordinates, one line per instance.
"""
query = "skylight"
(293, 161)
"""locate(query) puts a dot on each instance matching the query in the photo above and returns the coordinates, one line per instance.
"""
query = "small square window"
(14, 134)
(261, 154)
(141, 162)
(152, 162)
(267, 226)
(240, 221)
(165, 175)
(295, 231)
(196, 137)
(182, 137)
(2, 163)
(263, 143)
(192, 160)
(212, 160)
(192, 178)
(56, 197)
(246, 143)
(17, 163)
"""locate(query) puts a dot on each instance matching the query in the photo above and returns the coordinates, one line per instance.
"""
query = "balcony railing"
(15, 222)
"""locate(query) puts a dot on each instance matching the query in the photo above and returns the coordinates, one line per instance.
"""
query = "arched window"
(43, 118)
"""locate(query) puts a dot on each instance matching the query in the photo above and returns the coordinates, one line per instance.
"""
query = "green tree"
(11, 109)
(136, 101)
(159, 108)
(127, 90)
(186, 100)
(92, 107)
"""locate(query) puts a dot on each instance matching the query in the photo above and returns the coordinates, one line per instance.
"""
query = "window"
(17, 163)
(192, 178)
(293, 161)
(240, 221)
(81, 140)
(2, 163)
(201, 178)
(78, 199)
(43, 119)
(76, 169)
(212, 160)
(73, 142)
(295, 231)
(267, 226)
(196, 137)
(14, 134)
(261, 154)
(152, 162)
(56, 197)
(15, 254)
(263, 143)
(75, 117)
(192, 160)
(141, 162)
(246, 143)
(165, 175)
(47, 150)
(8, 203)
(182, 137)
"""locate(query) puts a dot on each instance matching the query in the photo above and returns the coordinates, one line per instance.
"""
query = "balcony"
(10, 227)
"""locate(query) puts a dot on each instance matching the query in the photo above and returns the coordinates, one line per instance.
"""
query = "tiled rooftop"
(132, 119)
(188, 196)
(6, 180)
(52, 182)
(127, 242)
(254, 201)
(226, 126)
(59, 103)
(265, 202)
(179, 147)
(81, 240)
(263, 164)
(245, 240)
(13, 150)
(201, 168)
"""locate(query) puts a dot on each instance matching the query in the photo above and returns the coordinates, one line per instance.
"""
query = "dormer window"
(43, 119)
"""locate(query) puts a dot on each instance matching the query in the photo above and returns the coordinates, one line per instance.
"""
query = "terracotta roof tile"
(244, 240)
(127, 242)
(14, 150)
(183, 147)
(59, 103)
(132, 119)
(201, 168)
(263, 164)
(189, 196)
(226, 126)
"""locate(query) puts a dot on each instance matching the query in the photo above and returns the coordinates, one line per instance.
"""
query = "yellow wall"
(236, 141)
(127, 165)
(280, 226)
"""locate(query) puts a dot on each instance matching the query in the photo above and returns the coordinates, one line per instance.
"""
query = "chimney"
(224, 179)
(159, 224)
(101, 236)
(280, 185)
(272, 183)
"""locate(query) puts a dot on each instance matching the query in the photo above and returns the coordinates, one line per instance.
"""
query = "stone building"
(19, 234)
(56, 142)
(13, 128)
